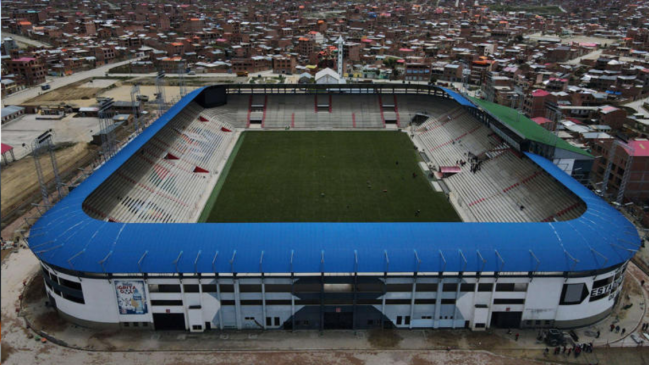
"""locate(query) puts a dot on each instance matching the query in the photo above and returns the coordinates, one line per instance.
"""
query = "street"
(24, 95)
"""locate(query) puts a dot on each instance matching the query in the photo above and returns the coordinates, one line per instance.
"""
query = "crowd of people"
(576, 349)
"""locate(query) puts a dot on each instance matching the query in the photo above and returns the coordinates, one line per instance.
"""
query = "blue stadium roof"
(68, 238)
(458, 97)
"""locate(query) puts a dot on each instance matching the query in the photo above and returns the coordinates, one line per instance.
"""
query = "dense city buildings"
(570, 65)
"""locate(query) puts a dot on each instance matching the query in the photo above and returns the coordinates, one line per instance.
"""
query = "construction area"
(72, 135)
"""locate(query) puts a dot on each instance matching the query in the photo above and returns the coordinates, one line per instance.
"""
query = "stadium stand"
(507, 187)
(165, 180)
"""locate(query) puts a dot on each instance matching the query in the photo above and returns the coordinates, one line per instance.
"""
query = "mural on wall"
(131, 296)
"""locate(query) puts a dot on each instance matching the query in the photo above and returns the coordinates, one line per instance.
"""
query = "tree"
(390, 62)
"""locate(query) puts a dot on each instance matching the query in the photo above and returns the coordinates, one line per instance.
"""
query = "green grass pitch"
(326, 176)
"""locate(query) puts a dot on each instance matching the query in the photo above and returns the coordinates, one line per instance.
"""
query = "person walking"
(623, 330)
(597, 334)
(517, 336)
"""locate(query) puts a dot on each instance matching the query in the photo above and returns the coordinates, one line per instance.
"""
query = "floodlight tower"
(341, 47)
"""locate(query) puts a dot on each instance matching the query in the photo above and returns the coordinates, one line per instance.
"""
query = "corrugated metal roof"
(67, 237)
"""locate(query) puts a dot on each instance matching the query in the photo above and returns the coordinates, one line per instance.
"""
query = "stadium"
(315, 207)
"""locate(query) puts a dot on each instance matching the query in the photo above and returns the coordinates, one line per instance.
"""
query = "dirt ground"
(67, 93)
(123, 92)
(20, 183)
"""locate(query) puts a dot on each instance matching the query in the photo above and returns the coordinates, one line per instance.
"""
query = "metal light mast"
(159, 84)
(135, 92)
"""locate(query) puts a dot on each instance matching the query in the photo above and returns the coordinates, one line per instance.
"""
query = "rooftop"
(526, 127)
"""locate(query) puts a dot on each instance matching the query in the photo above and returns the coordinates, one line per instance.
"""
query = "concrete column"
(491, 303)
(475, 294)
(182, 295)
(438, 302)
(292, 303)
(354, 302)
(263, 301)
(200, 298)
(383, 302)
(218, 297)
(457, 296)
(237, 303)
(412, 300)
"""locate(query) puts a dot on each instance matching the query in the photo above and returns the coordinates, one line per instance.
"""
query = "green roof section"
(525, 126)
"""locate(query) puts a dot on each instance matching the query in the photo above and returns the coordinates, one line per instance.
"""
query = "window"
(407, 320)
(73, 298)
(450, 287)
(485, 287)
(448, 301)
(276, 319)
(505, 287)
(426, 317)
(70, 284)
(307, 287)
(251, 302)
(190, 288)
(209, 288)
(197, 327)
(397, 301)
(250, 288)
(511, 287)
(368, 302)
(269, 321)
(277, 288)
(307, 302)
(164, 288)
(465, 287)
(480, 325)
(166, 302)
(399, 320)
(425, 287)
(424, 301)
(126, 324)
(509, 301)
(227, 288)
(399, 287)
(278, 302)
(227, 302)
(370, 287)
(576, 293)
(136, 324)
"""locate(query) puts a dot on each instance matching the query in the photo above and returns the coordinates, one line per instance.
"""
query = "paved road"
(637, 105)
(590, 56)
(25, 40)
(33, 92)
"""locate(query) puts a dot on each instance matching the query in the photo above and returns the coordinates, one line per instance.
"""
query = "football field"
(325, 176)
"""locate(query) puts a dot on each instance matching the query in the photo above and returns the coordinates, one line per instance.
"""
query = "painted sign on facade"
(131, 297)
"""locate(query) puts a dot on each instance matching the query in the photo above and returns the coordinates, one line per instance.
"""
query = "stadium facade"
(120, 249)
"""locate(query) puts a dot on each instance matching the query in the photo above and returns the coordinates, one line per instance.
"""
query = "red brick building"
(534, 104)
(31, 69)
(284, 65)
(637, 188)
